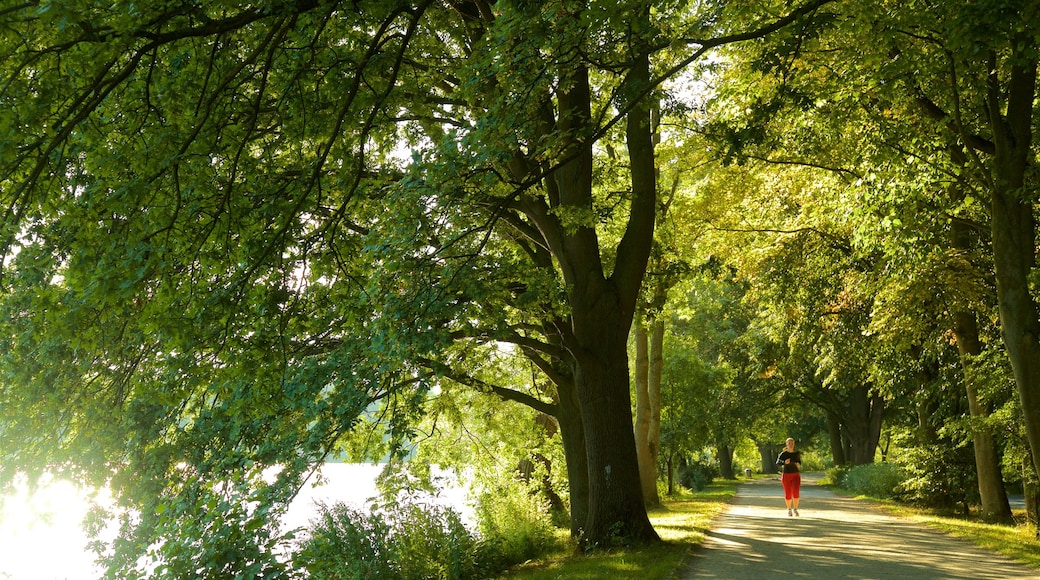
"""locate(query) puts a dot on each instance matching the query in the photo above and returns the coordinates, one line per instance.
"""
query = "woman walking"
(791, 478)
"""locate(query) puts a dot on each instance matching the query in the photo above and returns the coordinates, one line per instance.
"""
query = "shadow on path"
(835, 537)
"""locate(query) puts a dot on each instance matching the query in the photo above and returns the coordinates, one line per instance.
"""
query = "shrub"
(697, 475)
(514, 526)
(941, 477)
(408, 536)
(430, 542)
(344, 542)
(834, 476)
(408, 540)
(880, 480)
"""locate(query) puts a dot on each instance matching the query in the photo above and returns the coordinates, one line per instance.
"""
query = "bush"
(697, 475)
(407, 541)
(880, 480)
(941, 477)
(410, 537)
(344, 542)
(514, 526)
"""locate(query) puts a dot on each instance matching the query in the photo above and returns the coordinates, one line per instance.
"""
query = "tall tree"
(218, 256)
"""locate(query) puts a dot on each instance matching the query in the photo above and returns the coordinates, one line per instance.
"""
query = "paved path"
(835, 537)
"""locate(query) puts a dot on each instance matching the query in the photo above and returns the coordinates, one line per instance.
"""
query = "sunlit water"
(41, 536)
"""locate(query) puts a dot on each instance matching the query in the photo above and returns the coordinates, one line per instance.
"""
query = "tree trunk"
(670, 468)
(573, 435)
(1031, 491)
(616, 509)
(646, 447)
(656, 370)
(834, 433)
(724, 454)
(992, 495)
(602, 309)
(1013, 228)
(863, 424)
(768, 454)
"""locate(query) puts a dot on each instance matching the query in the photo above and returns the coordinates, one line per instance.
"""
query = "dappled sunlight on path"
(835, 537)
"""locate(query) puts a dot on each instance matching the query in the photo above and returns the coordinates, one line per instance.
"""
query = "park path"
(835, 537)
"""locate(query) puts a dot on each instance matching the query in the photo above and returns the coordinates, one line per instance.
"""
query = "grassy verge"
(681, 522)
(1017, 542)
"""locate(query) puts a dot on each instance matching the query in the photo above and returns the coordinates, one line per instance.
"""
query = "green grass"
(1018, 542)
(682, 522)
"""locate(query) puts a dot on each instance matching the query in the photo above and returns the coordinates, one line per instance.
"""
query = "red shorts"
(792, 484)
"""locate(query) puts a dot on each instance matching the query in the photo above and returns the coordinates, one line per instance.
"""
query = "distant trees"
(907, 129)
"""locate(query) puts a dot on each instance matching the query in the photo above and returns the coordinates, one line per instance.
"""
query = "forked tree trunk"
(602, 310)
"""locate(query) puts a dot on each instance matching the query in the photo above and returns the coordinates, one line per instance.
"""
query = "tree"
(913, 109)
(217, 227)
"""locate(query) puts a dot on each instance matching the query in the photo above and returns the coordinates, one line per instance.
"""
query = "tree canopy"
(234, 232)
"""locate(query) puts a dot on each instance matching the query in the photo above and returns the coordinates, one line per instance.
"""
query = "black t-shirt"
(795, 458)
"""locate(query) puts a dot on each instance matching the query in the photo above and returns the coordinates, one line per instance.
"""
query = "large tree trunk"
(573, 435)
(724, 454)
(1013, 229)
(616, 508)
(863, 424)
(602, 310)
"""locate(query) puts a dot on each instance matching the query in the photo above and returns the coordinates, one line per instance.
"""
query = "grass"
(682, 522)
(1018, 542)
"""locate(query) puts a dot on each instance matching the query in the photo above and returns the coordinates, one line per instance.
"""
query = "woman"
(791, 461)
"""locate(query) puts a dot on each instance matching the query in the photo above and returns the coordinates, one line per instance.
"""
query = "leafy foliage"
(880, 480)
(409, 541)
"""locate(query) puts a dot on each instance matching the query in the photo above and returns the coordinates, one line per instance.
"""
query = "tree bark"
(834, 433)
(724, 454)
(1013, 228)
(654, 386)
(863, 424)
(1031, 491)
(602, 310)
(767, 452)
(616, 508)
(992, 494)
(645, 447)
(574, 450)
